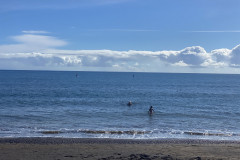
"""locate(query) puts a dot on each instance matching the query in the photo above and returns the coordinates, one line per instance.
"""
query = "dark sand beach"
(77, 148)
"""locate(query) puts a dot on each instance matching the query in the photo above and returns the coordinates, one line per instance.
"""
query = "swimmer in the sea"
(129, 103)
(150, 111)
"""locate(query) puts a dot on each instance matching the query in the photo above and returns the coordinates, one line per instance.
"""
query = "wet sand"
(104, 149)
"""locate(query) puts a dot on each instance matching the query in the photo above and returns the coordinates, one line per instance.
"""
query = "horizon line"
(46, 70)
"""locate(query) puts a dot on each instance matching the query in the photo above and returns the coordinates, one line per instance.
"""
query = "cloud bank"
(32, 50)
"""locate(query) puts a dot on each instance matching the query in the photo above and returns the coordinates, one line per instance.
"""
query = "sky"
(180, 36)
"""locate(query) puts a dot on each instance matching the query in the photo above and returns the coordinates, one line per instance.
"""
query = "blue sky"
(121, 35)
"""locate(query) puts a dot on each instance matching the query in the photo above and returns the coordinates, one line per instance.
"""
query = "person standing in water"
(150, 111)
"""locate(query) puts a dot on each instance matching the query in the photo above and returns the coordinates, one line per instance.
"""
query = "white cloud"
(181, 64)
(34, 51)
(39, 40)
(190, 56)
(221, 55)
(235, 57)
(35, 32)
(31, 43)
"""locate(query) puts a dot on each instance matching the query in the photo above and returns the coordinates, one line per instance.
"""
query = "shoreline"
(42, 148)
(61, 140)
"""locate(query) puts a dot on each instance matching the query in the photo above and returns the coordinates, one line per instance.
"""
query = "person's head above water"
(129, 103)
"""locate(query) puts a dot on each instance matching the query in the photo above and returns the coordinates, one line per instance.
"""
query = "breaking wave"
(149, 134)
(131, 132)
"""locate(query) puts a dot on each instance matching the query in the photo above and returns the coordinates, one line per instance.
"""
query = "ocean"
(94, 105)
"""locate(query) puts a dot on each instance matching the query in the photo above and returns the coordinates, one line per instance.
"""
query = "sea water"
(94, 105)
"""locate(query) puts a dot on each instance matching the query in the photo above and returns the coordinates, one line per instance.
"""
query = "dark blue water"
(94, 104)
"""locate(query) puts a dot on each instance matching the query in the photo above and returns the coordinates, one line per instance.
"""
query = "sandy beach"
(76, 148)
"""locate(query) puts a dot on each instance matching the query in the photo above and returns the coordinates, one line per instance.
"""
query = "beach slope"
(76, 148)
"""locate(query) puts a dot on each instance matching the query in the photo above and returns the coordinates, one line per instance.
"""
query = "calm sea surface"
(94, 105)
